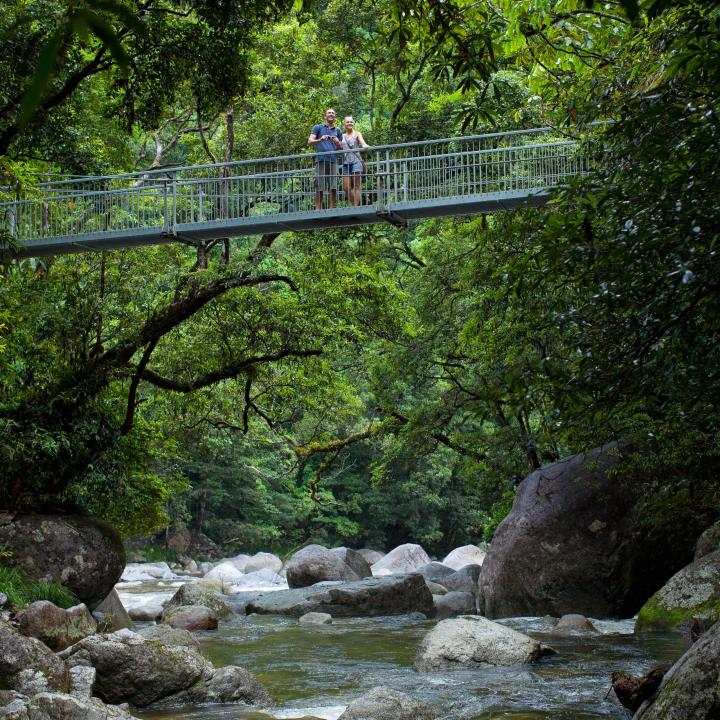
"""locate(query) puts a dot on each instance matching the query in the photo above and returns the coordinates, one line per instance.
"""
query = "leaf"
(47, 62)
(107, 35)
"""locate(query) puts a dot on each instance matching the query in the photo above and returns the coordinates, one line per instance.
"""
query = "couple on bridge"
(326, 138)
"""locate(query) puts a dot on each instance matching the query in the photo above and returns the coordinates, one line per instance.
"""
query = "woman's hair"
(348, 117)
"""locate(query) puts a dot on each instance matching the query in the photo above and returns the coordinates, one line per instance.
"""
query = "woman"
(353, 164)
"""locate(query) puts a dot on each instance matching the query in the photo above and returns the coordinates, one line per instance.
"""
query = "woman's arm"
(361, 140)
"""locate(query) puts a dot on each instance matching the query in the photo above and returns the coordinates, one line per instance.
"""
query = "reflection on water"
(315, 671)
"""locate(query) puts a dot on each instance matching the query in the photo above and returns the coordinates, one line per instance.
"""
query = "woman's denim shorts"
(354, 168)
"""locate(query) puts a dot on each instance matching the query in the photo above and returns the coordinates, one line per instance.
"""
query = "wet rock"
(83, 554)
(465, 555)
(472, 641)
(403, 559)
(708, 542)
(354, 560)
(691, 595)
(193, 618)
(691, 688)
(464, 580)
(264, 561)
(315, 563)
(573, 542)
(573, 624)
(111, 614)
(633, 691)
(383, 703)
(56, 706)
(315, 618)
(191, 594)
(454, 603)
(172, 637)
(370, 597)
(28, 665)
(56, 627)
(435, 571)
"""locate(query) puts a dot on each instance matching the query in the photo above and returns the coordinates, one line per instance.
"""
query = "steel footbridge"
(404, 182)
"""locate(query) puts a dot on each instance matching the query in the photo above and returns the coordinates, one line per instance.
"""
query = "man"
(326, 138)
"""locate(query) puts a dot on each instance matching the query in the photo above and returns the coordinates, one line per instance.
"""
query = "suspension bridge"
(403, 182)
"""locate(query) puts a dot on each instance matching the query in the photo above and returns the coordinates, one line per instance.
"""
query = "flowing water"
(314, 671)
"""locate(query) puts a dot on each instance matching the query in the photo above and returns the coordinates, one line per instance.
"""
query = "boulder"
(355, 560)
(454, 603)
(239, 561)
(56, 627)
(436, 588)
(111, 614)
(435, 571)
(264, 561)
(146, 672)
(708, 542)
(383, 703)
(193, 618)
(403, 559)
(691, 689)
(315, 563)
(471, 641)
(225, 573)
(83, 554)
(135, 572)
(573, 542)
(691, 595)
(464, 580)
(169, 636)
(57, 706)
(369, 597)
(574, 624)
(465, 555)
(371, 556)
(198, 595)
(315, 618)
(259, 580)
(28, 665)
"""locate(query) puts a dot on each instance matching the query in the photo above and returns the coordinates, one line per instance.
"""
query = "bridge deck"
(455, 176)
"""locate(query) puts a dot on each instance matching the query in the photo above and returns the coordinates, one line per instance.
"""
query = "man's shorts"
(327, 173)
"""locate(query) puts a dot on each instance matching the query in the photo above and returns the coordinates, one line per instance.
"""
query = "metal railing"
(176, 200)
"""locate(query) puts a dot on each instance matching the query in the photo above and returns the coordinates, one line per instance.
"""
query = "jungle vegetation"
(375, 385)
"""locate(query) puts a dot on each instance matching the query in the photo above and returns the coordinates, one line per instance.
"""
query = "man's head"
(329, 116)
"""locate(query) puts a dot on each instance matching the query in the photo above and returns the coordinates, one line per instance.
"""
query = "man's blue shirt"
(326, 145)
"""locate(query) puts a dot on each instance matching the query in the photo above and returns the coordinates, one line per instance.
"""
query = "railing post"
(174, 204)
(387, 174)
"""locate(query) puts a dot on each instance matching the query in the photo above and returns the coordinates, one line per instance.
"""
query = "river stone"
(84, 554)
(403, 559)
(315, 618)
(463, 580)
(452, 604)
(691, 688)
(691, 594)
(472, 641)
(28, 665)
(193, 618)
(111, 614)
(370, 597)
(465, 555)
(258, 580)
(435, 571)
(574, 624)
(315, 563)
(140, 571)
(573, 543)
(383, 703)
(371, 556)
(436, 588)
(264, 561)
(239, 561)
(172, 637)
(56, 627)
(354, 560)
(708, 542)
(191, 594)
(82, 680)
(57, 706)
(225, 573)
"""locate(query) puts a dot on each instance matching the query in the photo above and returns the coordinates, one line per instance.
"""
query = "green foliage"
(21, 591)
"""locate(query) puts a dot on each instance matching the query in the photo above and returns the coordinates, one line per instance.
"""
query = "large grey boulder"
(56, 627)
(435, 571)
(472, 641)
(573, 624)
(355, 560)
(225, 573)
(140, 571)
(454, 603)
(264, 561)
(169, 636)
(147, 672)
(464, 580)
(708, 542)
(111, 614)
(191, 594)
(28, 665)
(573, 543)
(371, 556)
(315, 563)
(193, 618)
(691, 688)
(258, 580)
(692, 595)
(370, 597)
(60, 706)
(403, 559)
(84, 554)
(465, 555)
(383, 703)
